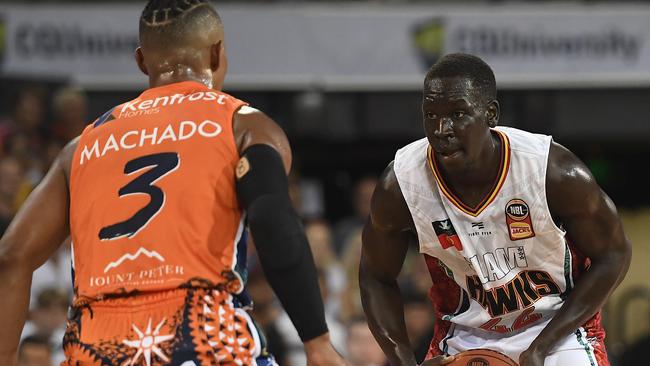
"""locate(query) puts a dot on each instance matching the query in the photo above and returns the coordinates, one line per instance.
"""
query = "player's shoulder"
(248, 113)
(252, 126)
(525, 142)
(414, 146)
(570, 187)
(66, 156)
(249, 121)
(389, 210)
(564, 167)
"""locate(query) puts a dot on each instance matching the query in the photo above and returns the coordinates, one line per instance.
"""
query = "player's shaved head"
(181, 35)
(468, 67)
(166, 24)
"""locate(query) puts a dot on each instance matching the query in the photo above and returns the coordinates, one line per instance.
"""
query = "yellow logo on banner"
(3, 38)
(429, 39)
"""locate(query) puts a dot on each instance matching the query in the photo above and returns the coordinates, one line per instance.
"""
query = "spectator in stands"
(345, 228)
(26, 117)
(11, 181)
(418, 315)
(55, 274)
(51, 151)
(351, 298)
(637, 353)
(69, 106)
(296, 354)
(319, 236)
(266, 312)
(48, 320)
(362, 349)
(23, 135)
(35, 351)
(415, 278)
(306, 195)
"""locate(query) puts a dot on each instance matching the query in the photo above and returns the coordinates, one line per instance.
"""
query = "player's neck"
(178, 75)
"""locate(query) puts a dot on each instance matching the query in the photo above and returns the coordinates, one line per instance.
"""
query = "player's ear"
(217, 56)
(139, 58)
(492, 113)
(218, 64)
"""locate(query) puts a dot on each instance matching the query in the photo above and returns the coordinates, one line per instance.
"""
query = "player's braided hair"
(162, 12)
(466, 66)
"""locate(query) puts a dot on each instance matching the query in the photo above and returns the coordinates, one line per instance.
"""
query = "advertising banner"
(345, 47)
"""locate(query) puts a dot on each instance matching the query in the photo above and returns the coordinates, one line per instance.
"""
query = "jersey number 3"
(163, 164)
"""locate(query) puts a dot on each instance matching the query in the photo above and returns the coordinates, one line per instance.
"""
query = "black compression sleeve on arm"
(285, 255)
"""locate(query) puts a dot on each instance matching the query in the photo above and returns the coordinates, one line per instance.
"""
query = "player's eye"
(459, 114)
(431, 115)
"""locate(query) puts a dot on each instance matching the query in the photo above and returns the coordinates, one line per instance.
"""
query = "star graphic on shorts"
(147, 343)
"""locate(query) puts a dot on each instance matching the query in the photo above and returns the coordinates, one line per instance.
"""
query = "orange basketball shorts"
(188, 327)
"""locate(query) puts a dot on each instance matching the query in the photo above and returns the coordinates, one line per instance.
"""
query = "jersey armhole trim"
(546, 206)
(104, 118)
(241, 104)
(413, 209)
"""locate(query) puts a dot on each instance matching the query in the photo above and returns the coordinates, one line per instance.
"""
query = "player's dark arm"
(282, 247)
(593, 226)
(386, 238)
(38, 229)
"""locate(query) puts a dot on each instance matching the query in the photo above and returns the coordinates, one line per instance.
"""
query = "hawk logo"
(447, 234)
(429, 38)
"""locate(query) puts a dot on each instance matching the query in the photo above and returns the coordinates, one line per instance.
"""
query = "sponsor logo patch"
(520, 225)
(242, 167)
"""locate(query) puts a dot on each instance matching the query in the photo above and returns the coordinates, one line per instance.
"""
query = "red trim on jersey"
(445, 297)
(440, 331)
(579, 262)
(596, 337)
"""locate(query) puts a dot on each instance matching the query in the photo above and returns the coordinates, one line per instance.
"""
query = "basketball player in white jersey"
(522, 245)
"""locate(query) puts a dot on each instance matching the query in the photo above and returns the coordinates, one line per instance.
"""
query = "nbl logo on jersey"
(520, 225)
(447, 234)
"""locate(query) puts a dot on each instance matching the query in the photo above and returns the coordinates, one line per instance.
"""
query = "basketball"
(482, 357)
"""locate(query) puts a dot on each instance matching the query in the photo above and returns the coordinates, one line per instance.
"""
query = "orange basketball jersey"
(153, 204)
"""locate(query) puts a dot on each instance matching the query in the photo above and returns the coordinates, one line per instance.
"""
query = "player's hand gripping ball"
(477, 357)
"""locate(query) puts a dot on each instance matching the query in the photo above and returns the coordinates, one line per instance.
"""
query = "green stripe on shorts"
(585, 344)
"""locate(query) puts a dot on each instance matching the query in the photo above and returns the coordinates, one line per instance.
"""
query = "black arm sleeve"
(285, 255)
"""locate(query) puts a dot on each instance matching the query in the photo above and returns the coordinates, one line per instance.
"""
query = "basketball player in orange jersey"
(156, 195)
(522, 245)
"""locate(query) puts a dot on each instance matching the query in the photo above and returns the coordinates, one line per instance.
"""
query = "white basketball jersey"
(502, 269)
(507, 255)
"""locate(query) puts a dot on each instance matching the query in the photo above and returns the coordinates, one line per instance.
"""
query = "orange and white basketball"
(482, 357)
